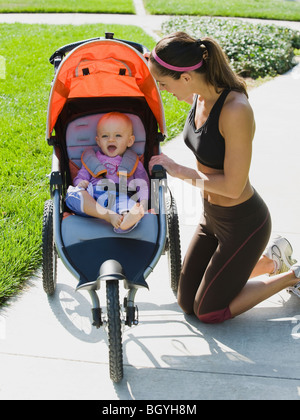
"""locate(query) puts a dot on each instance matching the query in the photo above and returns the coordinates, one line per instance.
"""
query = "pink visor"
(175, 68)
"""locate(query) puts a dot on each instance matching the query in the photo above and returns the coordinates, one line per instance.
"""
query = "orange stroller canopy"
(103, 68)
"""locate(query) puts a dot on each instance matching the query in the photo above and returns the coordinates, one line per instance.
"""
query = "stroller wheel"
(114, 331)
(49, 251)
(174, 248)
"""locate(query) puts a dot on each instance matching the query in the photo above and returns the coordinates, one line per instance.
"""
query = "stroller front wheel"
(114, 331)
(173, 247)
(49, 263)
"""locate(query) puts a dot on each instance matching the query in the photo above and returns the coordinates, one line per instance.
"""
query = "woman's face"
(180, 88)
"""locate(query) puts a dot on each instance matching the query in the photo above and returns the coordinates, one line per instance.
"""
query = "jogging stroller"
(94, 77)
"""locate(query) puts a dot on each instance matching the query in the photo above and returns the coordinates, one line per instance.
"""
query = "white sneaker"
(280, 251)
(295, 289)
(296, 269)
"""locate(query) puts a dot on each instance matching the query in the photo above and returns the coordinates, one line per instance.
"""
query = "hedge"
(254, 50)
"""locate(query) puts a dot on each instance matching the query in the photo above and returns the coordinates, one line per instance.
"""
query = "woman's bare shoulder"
(237, 112)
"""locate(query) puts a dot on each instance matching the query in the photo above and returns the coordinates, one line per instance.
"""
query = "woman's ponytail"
(218, 70)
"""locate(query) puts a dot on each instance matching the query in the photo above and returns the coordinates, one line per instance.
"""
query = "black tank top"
(206, 143)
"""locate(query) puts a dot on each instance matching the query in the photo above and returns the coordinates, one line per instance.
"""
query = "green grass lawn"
(64, 6)
(25, 157)
(265, 9)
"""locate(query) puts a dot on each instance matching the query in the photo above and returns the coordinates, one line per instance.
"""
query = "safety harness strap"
(97, 169)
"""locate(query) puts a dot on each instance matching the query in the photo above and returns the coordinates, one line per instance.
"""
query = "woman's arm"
(174, 169)
(237, 127)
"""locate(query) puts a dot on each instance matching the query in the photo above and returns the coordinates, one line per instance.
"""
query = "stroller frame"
(111, 271)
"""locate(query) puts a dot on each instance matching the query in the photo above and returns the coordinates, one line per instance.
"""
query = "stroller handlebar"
(62, 51)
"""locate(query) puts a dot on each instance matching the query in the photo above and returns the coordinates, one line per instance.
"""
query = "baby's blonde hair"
(118, 115)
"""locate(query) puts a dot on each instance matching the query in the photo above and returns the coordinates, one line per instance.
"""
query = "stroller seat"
(88, 241)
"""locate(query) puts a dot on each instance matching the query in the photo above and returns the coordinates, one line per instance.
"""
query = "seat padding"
(89, 242)
(76, 229)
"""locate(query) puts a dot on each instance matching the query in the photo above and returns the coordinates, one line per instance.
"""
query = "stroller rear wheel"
(173, 246)
(49, 264)
(114, 331)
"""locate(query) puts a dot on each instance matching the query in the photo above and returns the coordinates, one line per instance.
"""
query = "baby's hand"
(83, 184)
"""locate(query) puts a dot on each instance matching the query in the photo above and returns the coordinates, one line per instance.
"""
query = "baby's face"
(114, 136)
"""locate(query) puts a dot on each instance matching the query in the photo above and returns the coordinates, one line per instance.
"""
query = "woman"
(235, 227)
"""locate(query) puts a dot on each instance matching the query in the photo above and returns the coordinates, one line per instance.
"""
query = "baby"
(89, 196)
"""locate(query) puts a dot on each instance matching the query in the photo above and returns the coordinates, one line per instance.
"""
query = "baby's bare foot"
(115, 219)
(132, 217)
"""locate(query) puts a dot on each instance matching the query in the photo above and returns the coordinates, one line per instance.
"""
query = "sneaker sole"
(285, 257)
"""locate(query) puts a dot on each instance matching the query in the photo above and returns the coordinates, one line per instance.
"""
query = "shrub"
(253, 50)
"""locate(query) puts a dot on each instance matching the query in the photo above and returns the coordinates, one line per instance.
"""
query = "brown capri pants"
(223, 252)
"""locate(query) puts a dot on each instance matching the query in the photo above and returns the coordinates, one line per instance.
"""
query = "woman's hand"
(163, 160)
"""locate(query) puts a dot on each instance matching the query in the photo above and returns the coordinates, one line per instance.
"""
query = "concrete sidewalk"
(49, 350)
